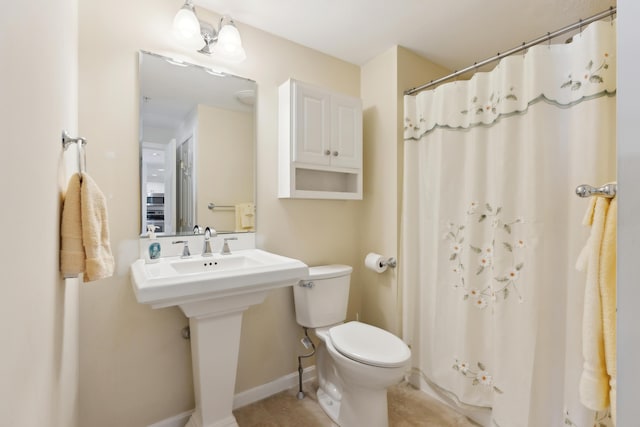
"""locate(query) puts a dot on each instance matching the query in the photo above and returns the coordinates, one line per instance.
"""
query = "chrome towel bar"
(212, 206)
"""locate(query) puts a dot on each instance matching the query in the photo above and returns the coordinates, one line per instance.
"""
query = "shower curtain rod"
(524, 46)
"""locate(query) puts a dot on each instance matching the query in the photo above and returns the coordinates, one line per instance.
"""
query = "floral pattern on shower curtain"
(492, 228)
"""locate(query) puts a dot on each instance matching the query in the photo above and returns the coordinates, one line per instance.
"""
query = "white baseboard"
(176, 421)
(269, 389)
(248, 397)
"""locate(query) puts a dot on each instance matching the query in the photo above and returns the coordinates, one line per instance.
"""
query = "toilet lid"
(368, 344)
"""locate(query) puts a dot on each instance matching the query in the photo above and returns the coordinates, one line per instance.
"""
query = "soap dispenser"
(153, 251)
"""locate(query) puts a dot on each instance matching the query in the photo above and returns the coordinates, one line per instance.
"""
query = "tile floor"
(408, 407)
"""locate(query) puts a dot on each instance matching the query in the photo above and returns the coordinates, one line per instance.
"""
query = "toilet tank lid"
(328, 271)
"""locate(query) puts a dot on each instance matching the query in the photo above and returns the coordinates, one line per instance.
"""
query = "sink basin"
(175, 281)
(217, 264)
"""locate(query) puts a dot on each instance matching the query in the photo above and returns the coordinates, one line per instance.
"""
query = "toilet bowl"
(355, 362)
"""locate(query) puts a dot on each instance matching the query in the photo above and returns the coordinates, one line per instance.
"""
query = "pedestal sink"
(213, 292)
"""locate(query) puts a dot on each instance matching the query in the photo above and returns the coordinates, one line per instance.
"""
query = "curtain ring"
(611, 15)
(549, 40)
(580, 26)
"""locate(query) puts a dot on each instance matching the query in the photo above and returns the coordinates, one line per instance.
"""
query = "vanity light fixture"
(224, 42)
(247, 97)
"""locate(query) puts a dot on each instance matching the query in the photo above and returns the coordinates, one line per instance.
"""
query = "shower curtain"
(491, 228)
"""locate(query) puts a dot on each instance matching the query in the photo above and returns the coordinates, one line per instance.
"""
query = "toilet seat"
(369, 344)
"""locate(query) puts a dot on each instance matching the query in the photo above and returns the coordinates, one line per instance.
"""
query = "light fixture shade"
(185, 23)
(229, 43)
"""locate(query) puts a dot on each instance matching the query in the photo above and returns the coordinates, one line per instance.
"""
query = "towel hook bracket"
(68, 140)
(81, 142)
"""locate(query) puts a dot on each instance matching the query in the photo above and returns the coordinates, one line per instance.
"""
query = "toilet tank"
(321, 299)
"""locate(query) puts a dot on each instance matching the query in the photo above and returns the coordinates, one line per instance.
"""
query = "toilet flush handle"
(306, 284)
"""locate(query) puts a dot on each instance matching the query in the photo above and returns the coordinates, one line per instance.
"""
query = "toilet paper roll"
(375, 262)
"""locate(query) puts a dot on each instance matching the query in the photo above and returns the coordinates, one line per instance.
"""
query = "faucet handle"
(185, 249)
(225, 248)
(197, 229)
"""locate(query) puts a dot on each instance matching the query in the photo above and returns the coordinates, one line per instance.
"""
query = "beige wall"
(383, 82)
(379, 216)
(225, 159)
(38, 312)
(135, 368)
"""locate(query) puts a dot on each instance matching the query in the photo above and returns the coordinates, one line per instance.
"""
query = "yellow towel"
(95, 231)
(607, 285)
(245, 217)
(594, 381)
(84, 231)
(71, 249)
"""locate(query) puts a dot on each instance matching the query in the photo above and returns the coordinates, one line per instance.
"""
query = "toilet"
(355, 362)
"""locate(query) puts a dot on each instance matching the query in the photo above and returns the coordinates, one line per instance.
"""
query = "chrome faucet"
(208, 234)
(225, 248)
(185, 249)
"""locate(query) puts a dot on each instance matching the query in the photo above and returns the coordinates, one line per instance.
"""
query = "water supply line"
(306, 342)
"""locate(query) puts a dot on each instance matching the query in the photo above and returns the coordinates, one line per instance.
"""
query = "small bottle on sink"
(153, 252)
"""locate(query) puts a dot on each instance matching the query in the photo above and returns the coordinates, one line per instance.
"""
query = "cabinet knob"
(335, 153)
(327, 152)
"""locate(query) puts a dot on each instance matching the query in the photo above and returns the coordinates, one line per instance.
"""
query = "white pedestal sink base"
(229, 422)
(215, 342)
(213, 292)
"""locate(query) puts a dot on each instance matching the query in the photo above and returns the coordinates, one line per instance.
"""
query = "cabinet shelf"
(320, 143)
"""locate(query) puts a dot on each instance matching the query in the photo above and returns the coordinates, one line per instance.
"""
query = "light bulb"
(185, 23)
(229, 43)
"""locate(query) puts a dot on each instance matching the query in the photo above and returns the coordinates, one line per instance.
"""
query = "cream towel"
(95, 231)
(84, 231)
(71, 249)
(594, 382)
(245, 217)
(608, 297)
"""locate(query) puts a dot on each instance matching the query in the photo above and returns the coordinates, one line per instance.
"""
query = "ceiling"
(169, 91)
(454, 33)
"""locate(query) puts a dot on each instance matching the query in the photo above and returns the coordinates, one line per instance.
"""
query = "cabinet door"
(346, 147)
(312, 125)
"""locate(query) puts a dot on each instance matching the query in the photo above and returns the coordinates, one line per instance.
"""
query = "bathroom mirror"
(197, 148)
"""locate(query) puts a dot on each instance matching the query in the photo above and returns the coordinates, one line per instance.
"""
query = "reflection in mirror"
(197, 148)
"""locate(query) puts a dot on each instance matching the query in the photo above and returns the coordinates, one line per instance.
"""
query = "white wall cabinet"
(320, 143)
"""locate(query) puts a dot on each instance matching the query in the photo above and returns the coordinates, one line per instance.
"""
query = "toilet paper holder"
(378, 263)
(389, 262)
